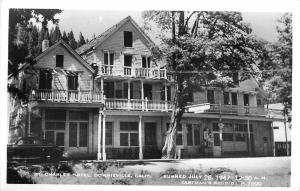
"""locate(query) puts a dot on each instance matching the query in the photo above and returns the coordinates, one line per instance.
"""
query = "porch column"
(43, 123)
(103, 139)
(142, 94)
(99, 135)
(128, 94)
(101, 87)
(29, 121)
(249, 137)
(140, 138)
(166, 97)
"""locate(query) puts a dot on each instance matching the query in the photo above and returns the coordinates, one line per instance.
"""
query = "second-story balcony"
(134, 72)
(137, 104)
(67, 96)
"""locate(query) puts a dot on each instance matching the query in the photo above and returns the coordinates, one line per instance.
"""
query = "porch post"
(166, 97)
(142, 94)
(249, 137)
(128, 94)
(29, 120)
(101, 87)
(140, 138)
(43, 123)
(103, 139)
(99, 135)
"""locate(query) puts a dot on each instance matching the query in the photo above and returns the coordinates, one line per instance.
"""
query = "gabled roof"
(73, 52)
(102, 37)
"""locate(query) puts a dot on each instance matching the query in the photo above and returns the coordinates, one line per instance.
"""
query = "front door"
(78, 136)
(217, 145)
(150, 134)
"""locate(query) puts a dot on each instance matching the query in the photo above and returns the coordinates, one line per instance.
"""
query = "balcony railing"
(126, 71)
(242, 110)
(66, 96)
(137, 104)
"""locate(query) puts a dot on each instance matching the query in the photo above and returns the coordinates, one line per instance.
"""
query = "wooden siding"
(115, 44)
(70, 64)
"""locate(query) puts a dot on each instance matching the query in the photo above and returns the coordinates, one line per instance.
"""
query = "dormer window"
(127, 39)
(59, 60)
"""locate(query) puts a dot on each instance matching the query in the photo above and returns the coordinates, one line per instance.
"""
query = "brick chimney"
(45, 45)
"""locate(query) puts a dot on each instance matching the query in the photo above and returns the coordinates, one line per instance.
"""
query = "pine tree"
(65, 38)
(81, 40)
(56, 35)
(72, 41)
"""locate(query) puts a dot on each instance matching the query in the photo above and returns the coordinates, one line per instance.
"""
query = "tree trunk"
(169, 149)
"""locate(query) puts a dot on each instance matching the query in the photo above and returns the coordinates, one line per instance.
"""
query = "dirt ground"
(247, 172)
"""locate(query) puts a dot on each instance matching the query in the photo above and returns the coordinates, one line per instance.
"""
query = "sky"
(91, 22)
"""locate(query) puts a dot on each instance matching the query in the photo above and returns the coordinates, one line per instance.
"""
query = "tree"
(202, 49)
(278, 65)
(24, 44)
(72, 41)
(81, 40)
(19, 21)
(56, 35)
(65, 38)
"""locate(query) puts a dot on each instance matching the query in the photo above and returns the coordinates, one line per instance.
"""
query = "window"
(111, 58)
(216, 139)
(109, 88)
(193, 134)
(127, 64)
(189, 134)
(235, 78)
(127, 39)
(55, 123)
(73, 82)
(148, 91)
(150, 133)
(162, 93)
(227, 136)
(210, 96)
(259, 102)
(108, 133)
(246, 99)
(146, 62)
(125, 90)
(128, 133)
(79, 115)
(240, 137)
(190, 97)
(78, 134)
(45, 82)
(226, 98)
(127, 60)
(179, 135)
(215, 127)
(59, 60)
(234, 98)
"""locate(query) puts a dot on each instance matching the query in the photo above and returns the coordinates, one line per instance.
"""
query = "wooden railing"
(137, 104)
(66, 96)
(126, 71)
(242, 110)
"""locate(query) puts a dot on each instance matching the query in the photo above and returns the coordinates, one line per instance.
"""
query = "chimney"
(45, 45)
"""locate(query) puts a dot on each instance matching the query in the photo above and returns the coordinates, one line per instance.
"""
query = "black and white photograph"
(150, 97)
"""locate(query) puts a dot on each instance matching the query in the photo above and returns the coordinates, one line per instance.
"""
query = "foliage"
(203, 49)
(277, 68)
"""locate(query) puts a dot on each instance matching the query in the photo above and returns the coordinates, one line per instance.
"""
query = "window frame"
(128, 40)
(128, 132)
(59, 60)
